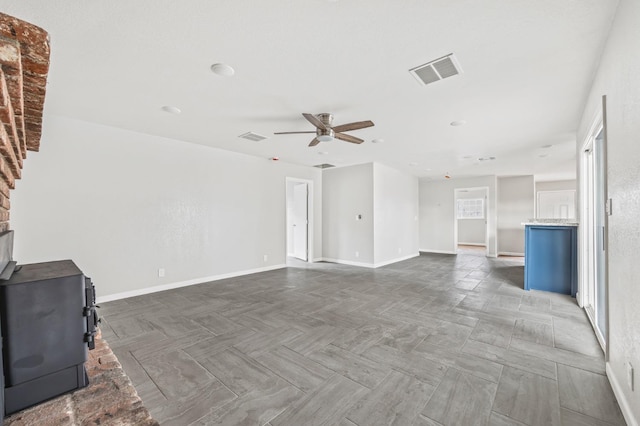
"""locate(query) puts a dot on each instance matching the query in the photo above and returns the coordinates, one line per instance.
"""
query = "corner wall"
(395, 215)
(618, 77)
(437, 213)
(346, 193)
(124, 204)
(516, 204)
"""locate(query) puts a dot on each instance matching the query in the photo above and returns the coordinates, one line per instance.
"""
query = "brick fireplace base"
(110, 398)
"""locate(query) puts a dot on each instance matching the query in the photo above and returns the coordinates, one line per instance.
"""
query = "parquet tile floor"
(434, 340)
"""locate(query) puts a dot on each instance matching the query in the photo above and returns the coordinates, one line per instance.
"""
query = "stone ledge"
(110, 398)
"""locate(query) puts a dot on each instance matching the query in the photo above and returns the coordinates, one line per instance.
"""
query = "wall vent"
(433, 71)
(253, 136)
(324, 166)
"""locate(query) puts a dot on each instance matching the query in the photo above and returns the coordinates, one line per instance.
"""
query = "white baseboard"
(398, 259)
(348, 262)
(510, 253)
(624, 404)
(369, 265)
(472, 244)
(171, 286)
(437, 251)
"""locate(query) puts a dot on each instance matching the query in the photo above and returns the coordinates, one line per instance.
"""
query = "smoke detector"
(436, 70)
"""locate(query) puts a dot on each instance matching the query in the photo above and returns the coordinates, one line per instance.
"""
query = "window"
(472, 208)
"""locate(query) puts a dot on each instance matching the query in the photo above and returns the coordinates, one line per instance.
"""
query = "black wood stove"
(49, 322)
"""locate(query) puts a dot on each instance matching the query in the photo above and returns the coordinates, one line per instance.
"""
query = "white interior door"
(300, 221)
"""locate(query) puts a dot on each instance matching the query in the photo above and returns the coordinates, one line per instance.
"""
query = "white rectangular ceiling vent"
(324, 166)
(253, 136)
(433, 71)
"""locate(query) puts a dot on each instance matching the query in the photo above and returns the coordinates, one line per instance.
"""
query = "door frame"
(310, 219)
(587, 205)
(486, 215)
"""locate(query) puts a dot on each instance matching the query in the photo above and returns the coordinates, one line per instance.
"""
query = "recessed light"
(486, 158)
(413, 164)
(542, 155)
(427, 170)
(378, 140)
(171, 109)
(223, 70)
(458, 123)
(323, 153)
(546, 146)
(466, 157)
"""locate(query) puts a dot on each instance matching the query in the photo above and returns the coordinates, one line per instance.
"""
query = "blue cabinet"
(550, 259)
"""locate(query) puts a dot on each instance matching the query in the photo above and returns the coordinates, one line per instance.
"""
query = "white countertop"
(551, 222)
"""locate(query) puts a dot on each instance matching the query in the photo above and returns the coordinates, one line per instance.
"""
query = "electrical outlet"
(265, 258)
(630, 376)
(357, 254)
(161, 272)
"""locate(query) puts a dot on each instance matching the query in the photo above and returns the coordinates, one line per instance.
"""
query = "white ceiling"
(527, 68)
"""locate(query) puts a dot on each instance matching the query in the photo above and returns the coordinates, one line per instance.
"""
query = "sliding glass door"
(595, 233)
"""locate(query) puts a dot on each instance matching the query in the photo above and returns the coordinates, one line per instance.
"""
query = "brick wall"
(24, 64)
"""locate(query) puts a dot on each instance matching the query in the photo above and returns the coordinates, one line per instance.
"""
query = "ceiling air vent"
(324, 166)
(433, 71)
(252, 136)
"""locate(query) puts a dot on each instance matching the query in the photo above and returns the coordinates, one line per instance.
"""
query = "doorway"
(470, 220)
(594, 231)
(299, 200)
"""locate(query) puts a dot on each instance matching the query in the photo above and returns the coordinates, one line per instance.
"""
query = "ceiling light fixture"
(223, 70)
(458, 123)
(546, 146)
(171, 109)
(378, 140)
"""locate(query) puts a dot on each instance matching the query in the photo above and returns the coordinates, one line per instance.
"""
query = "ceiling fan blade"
(314, 120)
(348, 138)
(292, 133)
(353, 126)
(314, 142)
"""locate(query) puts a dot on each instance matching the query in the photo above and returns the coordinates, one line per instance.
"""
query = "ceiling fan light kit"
(325, 132)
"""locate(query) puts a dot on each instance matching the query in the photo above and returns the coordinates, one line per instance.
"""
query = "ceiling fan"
(326, 133)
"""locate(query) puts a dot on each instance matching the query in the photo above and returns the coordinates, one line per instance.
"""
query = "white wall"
(348, 192)
(472, 231)
(556, 185)
(516, 204)
(618, 78)
(437, 213)
(123, 204)
(564, 196)
(395, 212)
